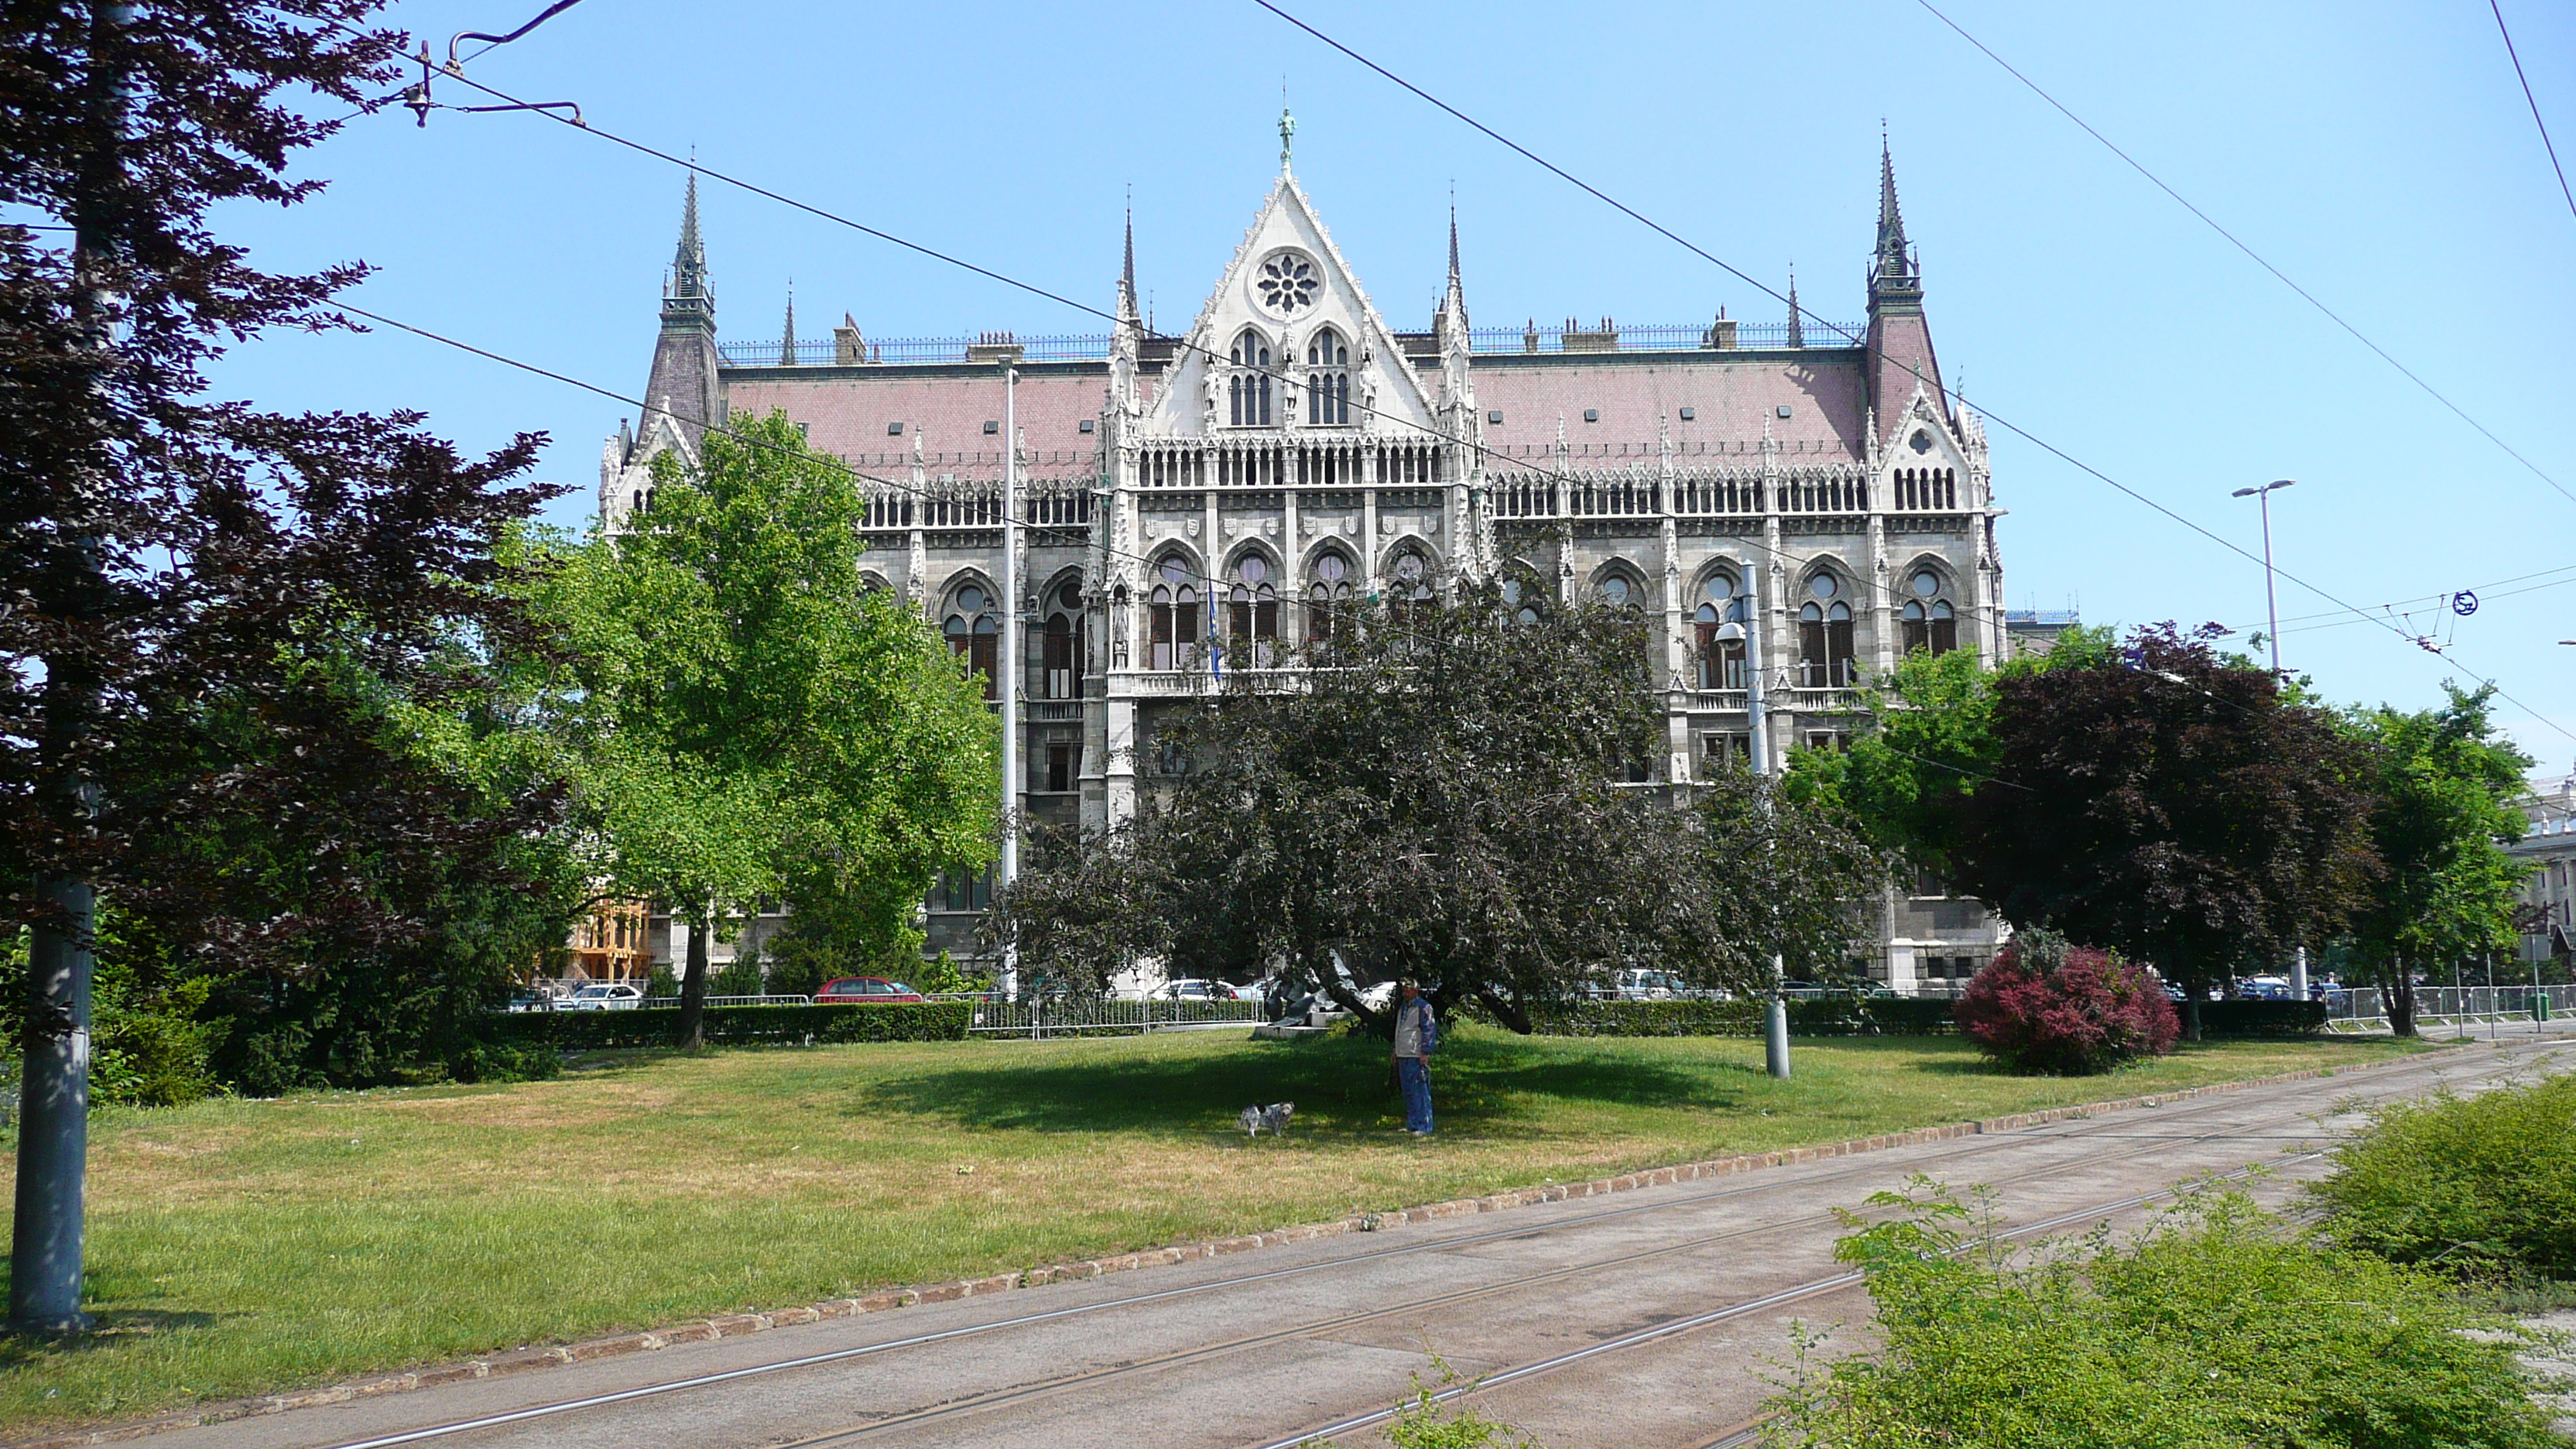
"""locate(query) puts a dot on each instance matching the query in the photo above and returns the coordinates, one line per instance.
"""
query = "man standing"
(1417, 1035)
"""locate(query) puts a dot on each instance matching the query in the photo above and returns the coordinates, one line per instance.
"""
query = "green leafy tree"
(743, 718)
(2172, 806)
(2443, 784)
(1934, 740)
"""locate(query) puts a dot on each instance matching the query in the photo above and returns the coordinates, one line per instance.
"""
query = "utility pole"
(1010, 663)
(1775, 1017)
(53, 1124)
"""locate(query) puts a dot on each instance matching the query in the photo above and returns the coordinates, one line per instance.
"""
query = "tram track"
(1813, 1288)
(1966, 1151)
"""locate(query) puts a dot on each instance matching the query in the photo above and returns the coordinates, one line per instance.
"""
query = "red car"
(864, 991)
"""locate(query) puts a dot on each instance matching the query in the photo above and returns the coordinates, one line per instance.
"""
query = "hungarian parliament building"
(1202, 499)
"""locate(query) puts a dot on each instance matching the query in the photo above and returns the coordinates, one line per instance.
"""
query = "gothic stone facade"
(1192, 497)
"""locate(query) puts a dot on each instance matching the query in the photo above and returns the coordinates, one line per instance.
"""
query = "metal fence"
(2365, 1009)
(1074, 1016)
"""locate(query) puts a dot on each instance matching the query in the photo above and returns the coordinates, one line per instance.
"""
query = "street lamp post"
(2272, 622)
(1748, 628)
(2271, 607)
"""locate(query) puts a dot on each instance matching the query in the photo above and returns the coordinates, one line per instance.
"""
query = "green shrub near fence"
(1871, 1016)
(736, 1025)
(2261, 1018)
(1825, 1016)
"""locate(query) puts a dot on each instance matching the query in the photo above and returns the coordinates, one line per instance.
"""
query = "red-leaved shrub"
(2047, 1006)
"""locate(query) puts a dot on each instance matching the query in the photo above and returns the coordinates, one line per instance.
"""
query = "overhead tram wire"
(1943, 388)
(2232, 240)
(1036, 290)
(2546, 144)
(2557, 578)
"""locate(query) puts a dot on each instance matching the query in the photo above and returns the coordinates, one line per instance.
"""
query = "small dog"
(1273, 1117)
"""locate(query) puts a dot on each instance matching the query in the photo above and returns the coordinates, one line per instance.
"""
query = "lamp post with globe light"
(1744, 624)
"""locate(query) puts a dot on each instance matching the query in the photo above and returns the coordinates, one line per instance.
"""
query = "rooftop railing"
(997, 348)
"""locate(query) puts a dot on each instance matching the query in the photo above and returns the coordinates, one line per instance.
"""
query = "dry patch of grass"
(244, 1246)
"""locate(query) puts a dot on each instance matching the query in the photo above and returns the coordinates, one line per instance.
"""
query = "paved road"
(1684, 1294)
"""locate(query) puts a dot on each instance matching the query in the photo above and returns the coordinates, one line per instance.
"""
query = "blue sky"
(2380, 154)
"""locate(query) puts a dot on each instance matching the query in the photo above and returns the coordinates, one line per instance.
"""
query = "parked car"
(864, 991)
(2265, 988)
(1194, 989)
(603, 996)
(531, 1001)
(1638, 985)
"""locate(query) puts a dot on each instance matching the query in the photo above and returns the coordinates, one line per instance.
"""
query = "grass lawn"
(244, 1246)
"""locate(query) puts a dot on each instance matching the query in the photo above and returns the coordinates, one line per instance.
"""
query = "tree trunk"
(692, 1030)
(2401, 1002)
(1507, 1011)
(2191, 1011)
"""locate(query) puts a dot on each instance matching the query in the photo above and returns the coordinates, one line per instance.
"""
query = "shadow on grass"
(109, 1328)
(1342, 1085)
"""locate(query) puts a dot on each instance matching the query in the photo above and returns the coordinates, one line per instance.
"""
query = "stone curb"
(737, 1324)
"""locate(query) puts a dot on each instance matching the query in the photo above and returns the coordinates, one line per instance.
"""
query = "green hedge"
(1827, 1016)
(2259, 1018)
(736, 1025)
(1873, 1016)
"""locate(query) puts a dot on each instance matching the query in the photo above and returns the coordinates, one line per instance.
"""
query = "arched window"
(1251, 613)
(1825, 636)
(972, 633)
(1248, 391)
(1621, 592)
(1408, 588)
(1328, 379)
(1721, 661)
(1060, 663)
(1524, 600)
(1328, 598)
(1928, 620)
(1173, 617)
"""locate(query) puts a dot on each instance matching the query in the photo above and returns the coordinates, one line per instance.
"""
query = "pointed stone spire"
(1127, 342)
(1892, 273)
(787, 339)
(683, 379)
(686, 295)
(689, 261)
(1127, 274)
(1451, 324)
(1797, 319)
(1891, 218)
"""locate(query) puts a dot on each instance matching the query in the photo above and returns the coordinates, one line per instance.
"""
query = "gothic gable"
(1287, 292)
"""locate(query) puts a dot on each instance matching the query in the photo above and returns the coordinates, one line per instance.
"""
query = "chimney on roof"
(848, 347)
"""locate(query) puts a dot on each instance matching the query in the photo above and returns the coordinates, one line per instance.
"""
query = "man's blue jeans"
(1414, 1075)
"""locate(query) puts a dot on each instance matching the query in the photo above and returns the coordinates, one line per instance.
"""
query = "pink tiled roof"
(1732, 401)
(847, 415)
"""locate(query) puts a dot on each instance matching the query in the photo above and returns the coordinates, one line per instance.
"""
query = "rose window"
(1287, 282)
